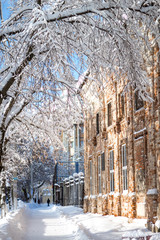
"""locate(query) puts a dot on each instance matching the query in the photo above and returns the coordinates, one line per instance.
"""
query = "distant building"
(45, 192)
(71, 159)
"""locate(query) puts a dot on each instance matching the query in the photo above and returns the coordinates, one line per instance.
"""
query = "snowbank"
(100, 227)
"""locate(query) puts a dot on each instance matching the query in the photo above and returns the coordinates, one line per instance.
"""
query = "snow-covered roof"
(75, 175)
(81, 174)
(56, 185)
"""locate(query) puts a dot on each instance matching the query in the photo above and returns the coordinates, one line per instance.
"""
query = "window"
(103, 161)
(122, 109)
(82, 143)
(138, 101)
(109, 112)
(124, 168)
(72, 144)
(122, 105)
(91, 177)
(90, 128)
(99, 173)
(82, 129)
(121, 102)
(111, 163)
(97, 123)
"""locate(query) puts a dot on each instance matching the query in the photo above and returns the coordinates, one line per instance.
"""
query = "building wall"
(45, 192)
(70, 159)
(138, 130)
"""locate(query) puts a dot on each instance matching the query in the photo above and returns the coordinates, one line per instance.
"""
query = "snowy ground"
(37, 222)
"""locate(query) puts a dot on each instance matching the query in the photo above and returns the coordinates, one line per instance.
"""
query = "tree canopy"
(45, 45)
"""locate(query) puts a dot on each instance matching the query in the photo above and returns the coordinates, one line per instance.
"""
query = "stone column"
(130, 157)
(152, 194)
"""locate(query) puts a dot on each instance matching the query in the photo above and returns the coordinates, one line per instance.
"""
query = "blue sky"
(5, 10)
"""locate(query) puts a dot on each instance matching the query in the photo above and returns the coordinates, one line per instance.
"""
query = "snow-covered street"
(34, 222)
(37, 222)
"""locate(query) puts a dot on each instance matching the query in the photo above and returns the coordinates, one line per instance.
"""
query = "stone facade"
(122, 149)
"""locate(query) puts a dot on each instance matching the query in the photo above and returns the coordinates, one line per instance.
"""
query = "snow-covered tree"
(56, 36)
(38, 168)
(29, 116)
(46, 44)
(40, 125)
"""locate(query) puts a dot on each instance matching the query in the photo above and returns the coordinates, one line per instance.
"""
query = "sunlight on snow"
(54, 228)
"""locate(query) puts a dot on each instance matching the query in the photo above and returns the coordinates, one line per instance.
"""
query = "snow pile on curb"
(99, 227)
(12, 214)
(134, 234)
(155, 237)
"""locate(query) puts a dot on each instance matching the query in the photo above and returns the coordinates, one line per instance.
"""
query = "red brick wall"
(139, 130)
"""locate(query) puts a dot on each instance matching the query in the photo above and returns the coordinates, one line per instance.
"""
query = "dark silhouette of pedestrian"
(48, 201)
(38, 201)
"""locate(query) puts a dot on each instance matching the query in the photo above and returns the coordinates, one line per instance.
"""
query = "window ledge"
(139, 110)
(100, 195)
(109, 127)
(111, 193)
(125, 192)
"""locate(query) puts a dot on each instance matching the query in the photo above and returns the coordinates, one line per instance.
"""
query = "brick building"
(122, 148)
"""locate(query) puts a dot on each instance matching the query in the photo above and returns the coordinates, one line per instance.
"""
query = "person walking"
(48, 201)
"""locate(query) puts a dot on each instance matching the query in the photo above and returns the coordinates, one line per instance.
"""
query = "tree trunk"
(3, 200)
(2, 186)
(25, 193)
